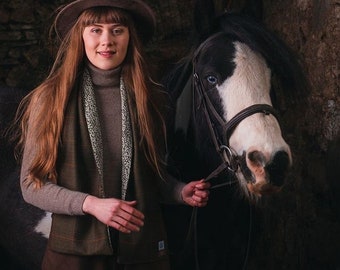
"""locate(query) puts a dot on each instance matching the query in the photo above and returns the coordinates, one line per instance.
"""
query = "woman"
(92, 140)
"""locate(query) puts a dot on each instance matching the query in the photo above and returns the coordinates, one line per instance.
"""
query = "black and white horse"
(224, 128)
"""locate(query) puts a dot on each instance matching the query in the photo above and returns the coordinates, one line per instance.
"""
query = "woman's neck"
(104, 78)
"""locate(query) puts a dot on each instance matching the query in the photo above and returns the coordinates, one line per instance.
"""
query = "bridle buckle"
(230, 158)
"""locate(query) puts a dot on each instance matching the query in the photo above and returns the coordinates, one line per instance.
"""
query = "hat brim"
(142, 14)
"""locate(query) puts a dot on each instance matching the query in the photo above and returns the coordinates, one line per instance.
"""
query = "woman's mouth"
(107, 53)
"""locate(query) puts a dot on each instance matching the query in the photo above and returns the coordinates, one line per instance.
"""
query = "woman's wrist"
(88, 204)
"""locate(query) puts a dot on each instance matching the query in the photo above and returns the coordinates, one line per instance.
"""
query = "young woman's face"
(106, 44)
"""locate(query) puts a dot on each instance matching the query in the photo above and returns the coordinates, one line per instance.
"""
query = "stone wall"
(23, 55)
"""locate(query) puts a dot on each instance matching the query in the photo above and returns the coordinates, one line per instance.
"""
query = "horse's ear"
(204, 18)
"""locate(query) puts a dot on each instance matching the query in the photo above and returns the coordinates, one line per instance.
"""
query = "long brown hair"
(42, 111)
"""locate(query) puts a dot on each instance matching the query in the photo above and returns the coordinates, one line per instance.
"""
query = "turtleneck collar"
(104, 78)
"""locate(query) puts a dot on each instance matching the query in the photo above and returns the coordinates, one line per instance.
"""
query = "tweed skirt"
(56, 261)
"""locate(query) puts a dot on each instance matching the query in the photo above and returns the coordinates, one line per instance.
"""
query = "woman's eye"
(212, 80)
(95, 30)
(118, 31)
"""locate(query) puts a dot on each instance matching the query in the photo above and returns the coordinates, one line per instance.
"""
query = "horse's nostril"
(257, 158)
(277, 168)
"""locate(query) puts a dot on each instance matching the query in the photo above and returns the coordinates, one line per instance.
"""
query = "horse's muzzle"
(265, 177)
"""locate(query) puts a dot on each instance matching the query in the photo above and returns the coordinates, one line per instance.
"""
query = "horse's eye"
(212, 80)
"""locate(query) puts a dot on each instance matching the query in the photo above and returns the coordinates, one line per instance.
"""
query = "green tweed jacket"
(77, 170)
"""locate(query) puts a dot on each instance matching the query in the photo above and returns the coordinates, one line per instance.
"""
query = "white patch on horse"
(250, 84)
(44, 225)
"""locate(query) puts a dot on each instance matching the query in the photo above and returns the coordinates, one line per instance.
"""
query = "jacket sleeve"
(171, 190)
(50, 197)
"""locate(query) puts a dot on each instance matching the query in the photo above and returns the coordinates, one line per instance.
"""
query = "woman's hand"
(196, 193)
(119, 214)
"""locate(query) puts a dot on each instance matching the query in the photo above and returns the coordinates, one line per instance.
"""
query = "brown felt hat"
(141, 13)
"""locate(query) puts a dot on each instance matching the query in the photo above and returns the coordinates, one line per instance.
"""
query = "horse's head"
(241, 70)
(233, 83)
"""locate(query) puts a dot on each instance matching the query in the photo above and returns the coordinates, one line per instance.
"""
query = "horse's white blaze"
(250, 84)
(44, 225)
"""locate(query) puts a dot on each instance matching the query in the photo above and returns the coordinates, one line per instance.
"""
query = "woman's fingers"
(124, 225)
(200, 195)
(127, 218)
(129, 208)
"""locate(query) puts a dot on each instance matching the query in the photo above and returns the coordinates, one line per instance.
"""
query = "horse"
(224, 127)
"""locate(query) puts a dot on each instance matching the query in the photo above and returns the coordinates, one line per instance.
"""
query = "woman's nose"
(107, 39)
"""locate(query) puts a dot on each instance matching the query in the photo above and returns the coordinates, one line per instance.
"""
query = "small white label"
(161, 245)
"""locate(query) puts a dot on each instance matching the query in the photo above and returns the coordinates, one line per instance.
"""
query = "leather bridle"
(229, 158)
